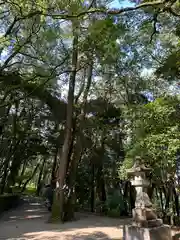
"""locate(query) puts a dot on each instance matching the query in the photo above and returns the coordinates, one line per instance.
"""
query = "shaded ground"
(29, 223)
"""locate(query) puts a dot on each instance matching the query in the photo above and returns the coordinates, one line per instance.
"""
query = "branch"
(155, 58)
(30, 178)
(81, 88)
(166, 5)
(14, 54)
(28, 40)
(122, 10)
(155, 21)
(57, 106)
(102, 11)
(92, 4)
(92, 11)
(170, 10)
(31, 56)
(10, 28)
(2, 14)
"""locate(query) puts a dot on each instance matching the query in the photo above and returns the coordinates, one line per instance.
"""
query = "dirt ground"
(29, 222)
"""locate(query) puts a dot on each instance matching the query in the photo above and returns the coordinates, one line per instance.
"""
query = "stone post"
(145, 224)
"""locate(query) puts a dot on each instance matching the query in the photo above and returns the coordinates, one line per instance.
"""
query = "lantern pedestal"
(162, 232)
(145, 225)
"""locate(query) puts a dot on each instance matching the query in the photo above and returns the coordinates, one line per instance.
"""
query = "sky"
(122, 4)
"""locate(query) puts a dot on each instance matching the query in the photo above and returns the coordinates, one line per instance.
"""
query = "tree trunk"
(150, 190)
(54, 167)
(71, 148)
(176, 198)
(16, 164)
(58, 204)
(22, 173)
(40, 177)
(3, 182)
(161, 200)
(6, 166)
(92, 187)
(125, 211)
(132, 195)
(5, 115)
(101, 184)
(168, 199)
(101, 191)
(53, 174)
(71, 198)
(167, 196)
(29, 179)
(71, 201)
(14, 169)
(100, 173)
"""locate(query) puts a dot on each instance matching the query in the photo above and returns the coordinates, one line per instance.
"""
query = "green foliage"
(36, 65)
(127, 164)
(114, 213)
(114, 201)
(102, 36)
(156, 136)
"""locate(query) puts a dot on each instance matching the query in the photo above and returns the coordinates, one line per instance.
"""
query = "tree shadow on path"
(29, 222)
(88, 236)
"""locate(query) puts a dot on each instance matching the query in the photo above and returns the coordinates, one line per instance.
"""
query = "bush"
(114, 213)
(116, 205)
(8, 201)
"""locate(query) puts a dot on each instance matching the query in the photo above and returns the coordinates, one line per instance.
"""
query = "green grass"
(28, 191)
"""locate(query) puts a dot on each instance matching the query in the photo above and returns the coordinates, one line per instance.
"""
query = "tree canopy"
(85, 88)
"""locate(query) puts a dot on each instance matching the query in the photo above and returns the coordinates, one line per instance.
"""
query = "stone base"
(140, 214)
(162, 232)
(148, 224)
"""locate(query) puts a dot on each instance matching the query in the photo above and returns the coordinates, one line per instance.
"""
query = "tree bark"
(4, 178)
(57, 106)
(160, 197)
(53, 174)
(92, 186)
(100, 173)
(59, 200)
(150, 190)
(6, 165)
(132, 195)
(101, 184)
(40, 177)
(78, 150)
(29, 179)
(176, 198)
(22, 172)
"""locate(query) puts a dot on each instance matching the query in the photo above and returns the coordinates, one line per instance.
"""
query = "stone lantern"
(145, 225)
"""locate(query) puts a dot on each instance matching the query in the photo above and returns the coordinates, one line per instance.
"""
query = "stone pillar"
(145, 224)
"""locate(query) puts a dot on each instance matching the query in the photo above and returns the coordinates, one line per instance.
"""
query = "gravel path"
(29, 222)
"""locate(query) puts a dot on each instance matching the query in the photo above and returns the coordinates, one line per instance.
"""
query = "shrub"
(116, 205)
(113, 213)
(8, 201)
